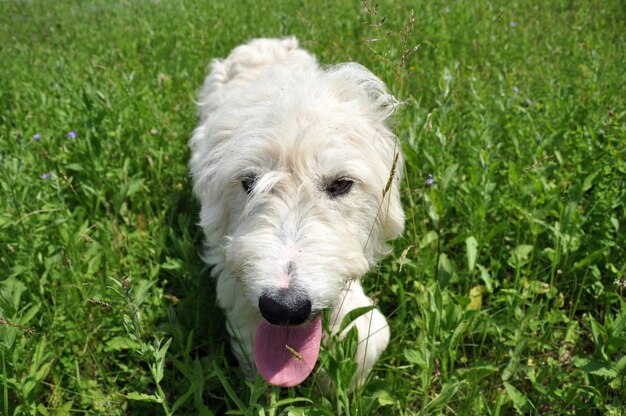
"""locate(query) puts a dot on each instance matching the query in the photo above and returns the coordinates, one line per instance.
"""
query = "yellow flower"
(476, 297)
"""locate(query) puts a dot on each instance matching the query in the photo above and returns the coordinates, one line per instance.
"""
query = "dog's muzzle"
(285, 306)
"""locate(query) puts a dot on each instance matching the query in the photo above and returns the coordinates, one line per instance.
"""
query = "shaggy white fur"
(298, 177)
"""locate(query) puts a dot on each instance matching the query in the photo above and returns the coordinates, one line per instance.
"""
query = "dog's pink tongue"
(286, 355)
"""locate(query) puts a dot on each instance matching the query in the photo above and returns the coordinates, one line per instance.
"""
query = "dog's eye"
(247, 182)
(339, 186)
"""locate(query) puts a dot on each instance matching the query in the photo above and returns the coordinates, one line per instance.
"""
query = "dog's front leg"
(372, 327)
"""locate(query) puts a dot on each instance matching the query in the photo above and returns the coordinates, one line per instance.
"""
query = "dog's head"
(298, 178)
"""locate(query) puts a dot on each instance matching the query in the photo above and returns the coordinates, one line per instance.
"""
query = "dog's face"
(299, 189)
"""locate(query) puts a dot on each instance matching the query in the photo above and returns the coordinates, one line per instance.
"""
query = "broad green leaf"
(445, 270)
(42, 409)
(591, 258)
(431, 211)
(448, 391)
(135, 185)
(486, 278)
(159, 357)
(29, 314)
(517, 397)
(618, 326)
(428, 239)
(588, 182)
(520, 255)
(471, 246)
(415, 357)
(75, 167)
(353, 315)
(142, 397)
(620, 365)
(384, 398)
(595, 367)
(121, 343)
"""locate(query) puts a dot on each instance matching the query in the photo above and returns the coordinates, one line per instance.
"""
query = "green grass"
(505, 295)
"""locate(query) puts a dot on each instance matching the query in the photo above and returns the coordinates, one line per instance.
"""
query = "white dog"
(297, 173)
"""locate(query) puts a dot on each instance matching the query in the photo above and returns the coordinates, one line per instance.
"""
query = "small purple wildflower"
(515, 89)
(45, 175)
(513, 23)
(71, 134)
(36, 137)
(430, 181)
(529, 102)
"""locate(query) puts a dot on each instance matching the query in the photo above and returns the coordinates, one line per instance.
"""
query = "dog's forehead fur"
(303, 126)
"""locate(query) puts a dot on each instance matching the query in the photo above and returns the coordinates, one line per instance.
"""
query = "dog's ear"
(392, 214)
(354, 82)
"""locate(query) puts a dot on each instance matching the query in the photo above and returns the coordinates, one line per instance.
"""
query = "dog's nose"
(285, 307)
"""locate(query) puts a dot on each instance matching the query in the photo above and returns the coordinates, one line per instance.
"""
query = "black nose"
(285, 307)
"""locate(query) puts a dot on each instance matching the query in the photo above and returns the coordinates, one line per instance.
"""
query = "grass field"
(506, 294)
